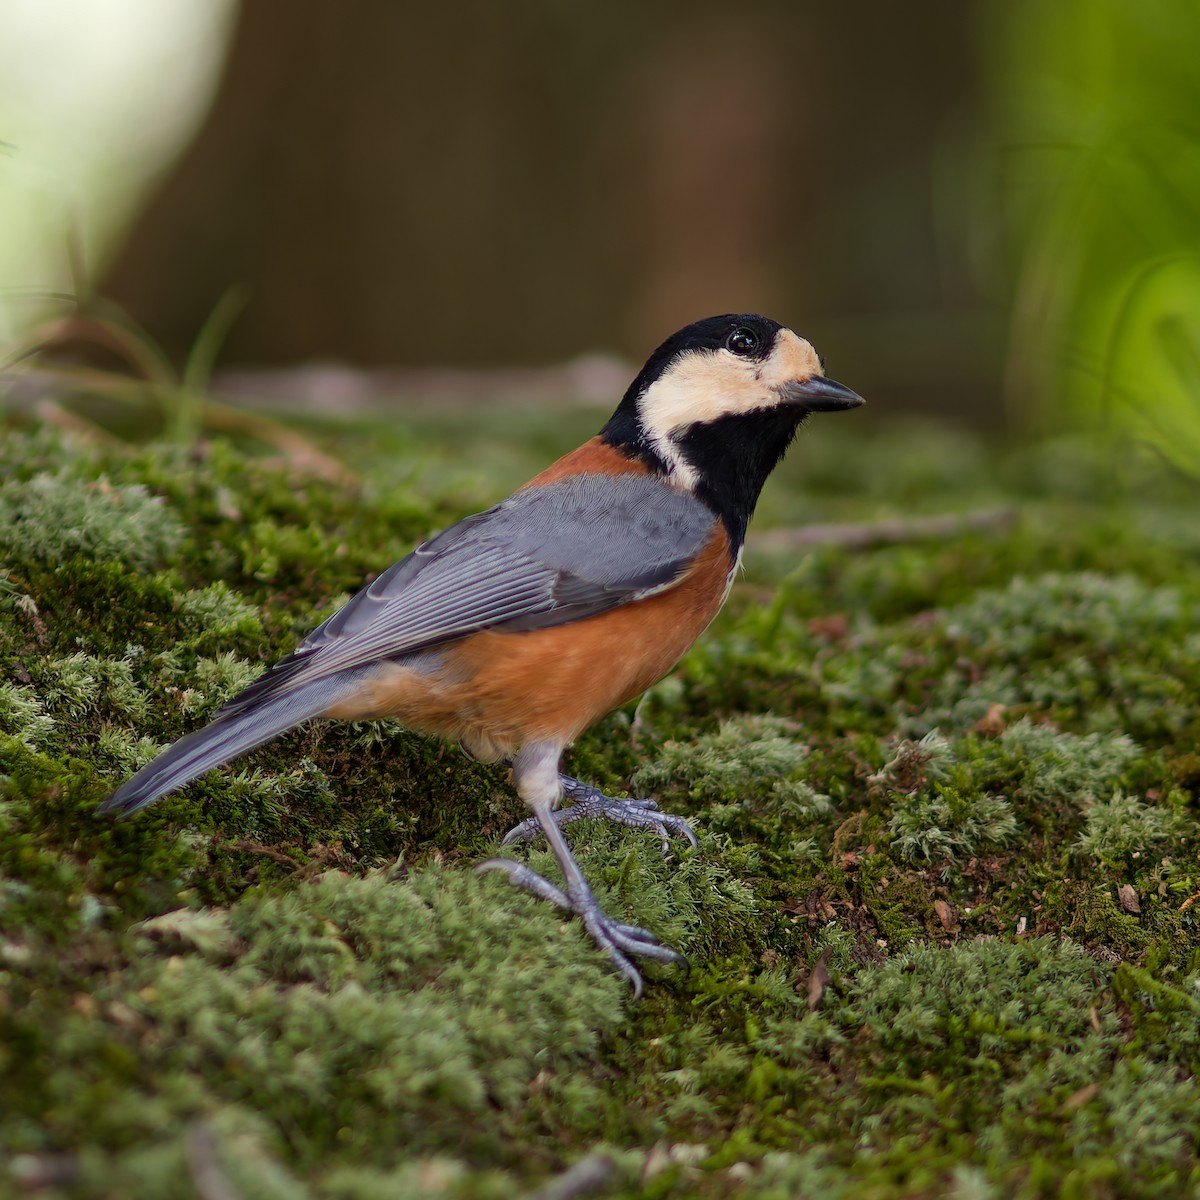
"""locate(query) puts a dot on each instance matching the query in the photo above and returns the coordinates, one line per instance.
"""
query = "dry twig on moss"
(895, 531)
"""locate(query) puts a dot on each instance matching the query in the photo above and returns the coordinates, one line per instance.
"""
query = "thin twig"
(587, 1176)
(204, 1165)
(249, 847)
(856, 534)
(41, 385)
(52, 413)
(296, 448)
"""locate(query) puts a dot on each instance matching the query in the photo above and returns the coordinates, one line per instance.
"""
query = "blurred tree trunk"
(504, 183)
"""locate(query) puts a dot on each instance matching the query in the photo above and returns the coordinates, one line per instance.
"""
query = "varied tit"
(518, 628)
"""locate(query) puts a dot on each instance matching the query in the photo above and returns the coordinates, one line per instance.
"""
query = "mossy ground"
(939, 917)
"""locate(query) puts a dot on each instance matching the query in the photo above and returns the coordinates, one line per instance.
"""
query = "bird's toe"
(619, 942)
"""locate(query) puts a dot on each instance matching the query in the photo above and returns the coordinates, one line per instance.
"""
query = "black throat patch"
(733, 457)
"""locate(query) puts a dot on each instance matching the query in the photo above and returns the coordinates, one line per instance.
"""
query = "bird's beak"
(818, 394)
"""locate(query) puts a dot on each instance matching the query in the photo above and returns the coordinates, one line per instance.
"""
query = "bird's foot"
(587, 801)
(618, 941)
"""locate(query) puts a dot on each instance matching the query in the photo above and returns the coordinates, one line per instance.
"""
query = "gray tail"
(224, 739)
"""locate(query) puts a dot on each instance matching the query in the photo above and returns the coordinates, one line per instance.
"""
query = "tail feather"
(225, 739)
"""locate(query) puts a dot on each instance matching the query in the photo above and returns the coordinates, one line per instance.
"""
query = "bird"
(518, 628)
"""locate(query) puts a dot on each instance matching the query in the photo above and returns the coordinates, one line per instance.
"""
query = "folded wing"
(545, 556)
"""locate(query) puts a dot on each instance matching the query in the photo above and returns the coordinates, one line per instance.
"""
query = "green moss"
(749, 755)
(24, 716)
(949, 824)
(746, 778)
(1125, 827)
(51, 517)
(1058, 766)
(914, 771)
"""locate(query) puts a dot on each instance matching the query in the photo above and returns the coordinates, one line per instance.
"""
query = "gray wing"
(548, 555)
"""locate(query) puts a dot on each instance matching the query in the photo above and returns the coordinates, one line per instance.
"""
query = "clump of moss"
(939, 814)
(1062, 766)
(57, 516)
(1124, 827)
(24, 716)
(79, 684)
(1038, 618)
(747, 777)
(928, 1008)
(990, 1064)
(749, 756)
(948, 824)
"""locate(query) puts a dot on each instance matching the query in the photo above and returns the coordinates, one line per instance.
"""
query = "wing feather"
(558, 553)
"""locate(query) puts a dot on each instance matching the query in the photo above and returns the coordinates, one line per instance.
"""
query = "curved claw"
(618, 941)
(640, 934)
(527, 831)
(527, 880)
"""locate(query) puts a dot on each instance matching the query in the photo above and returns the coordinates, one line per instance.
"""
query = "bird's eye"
(742, 341)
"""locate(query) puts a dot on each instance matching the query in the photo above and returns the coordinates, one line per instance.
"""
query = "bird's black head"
(717, 405)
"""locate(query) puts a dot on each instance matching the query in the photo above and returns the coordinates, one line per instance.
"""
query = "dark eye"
(742, 341)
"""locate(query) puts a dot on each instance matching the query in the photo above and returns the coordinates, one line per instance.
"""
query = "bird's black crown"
(712, 333)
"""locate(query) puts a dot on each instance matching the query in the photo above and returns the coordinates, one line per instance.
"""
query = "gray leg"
(535, 770)
(587, 801)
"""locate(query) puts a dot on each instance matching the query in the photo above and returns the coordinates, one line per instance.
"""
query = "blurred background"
(985, 212)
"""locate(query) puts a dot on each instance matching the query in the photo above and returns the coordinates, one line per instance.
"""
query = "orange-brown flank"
(501, 690)
(594, 457)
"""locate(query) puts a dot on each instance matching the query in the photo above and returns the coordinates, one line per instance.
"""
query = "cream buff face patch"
(704, 386)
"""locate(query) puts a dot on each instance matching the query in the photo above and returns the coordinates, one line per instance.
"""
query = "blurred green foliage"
(1100, 172)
